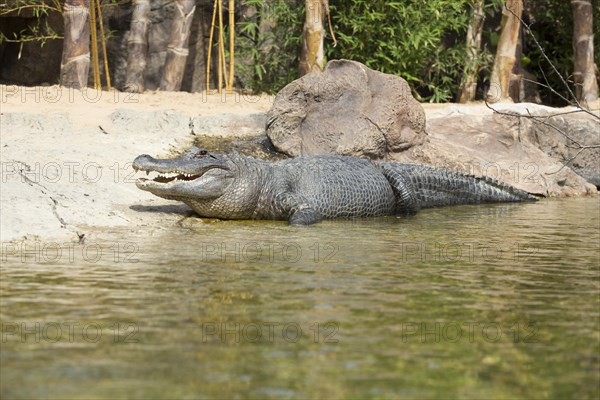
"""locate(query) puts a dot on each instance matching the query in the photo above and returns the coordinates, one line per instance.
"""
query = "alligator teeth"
(166, 177)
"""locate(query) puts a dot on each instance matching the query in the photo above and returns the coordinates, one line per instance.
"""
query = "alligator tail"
(420, 186)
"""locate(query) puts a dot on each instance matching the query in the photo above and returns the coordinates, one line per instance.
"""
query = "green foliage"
(268, 44)
(39, 31)
(37, 11)
(422, 41)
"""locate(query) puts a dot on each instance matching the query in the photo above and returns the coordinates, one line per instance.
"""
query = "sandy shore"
(66, 154)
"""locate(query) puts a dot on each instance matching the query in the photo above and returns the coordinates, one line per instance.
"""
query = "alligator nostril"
(141, 159)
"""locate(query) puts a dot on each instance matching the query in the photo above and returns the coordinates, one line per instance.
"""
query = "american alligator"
(305, 190)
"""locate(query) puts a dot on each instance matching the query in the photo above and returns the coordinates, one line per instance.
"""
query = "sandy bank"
(66, 154)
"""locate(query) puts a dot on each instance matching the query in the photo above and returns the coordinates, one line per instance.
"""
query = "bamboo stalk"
(210, 41)
(103, 41)
(97, 84)
(231, 43)
(224, 66)
(221, 47)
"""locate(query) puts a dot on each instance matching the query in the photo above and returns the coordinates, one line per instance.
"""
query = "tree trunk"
(506, 53)
(137, 46)
(583, 51)
(515, 86)
(177, 51)
(75, 64)
(312, 56)
(231, 45)
(468, 86)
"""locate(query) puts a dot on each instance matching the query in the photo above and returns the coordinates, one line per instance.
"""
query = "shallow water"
(495, 301)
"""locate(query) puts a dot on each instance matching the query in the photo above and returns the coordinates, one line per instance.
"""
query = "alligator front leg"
(305, 216)
(297, 209)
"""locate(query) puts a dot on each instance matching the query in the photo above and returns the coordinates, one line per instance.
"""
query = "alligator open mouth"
(194, 169)
(169, 177)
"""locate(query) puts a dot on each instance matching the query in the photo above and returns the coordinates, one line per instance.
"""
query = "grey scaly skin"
(306, 190)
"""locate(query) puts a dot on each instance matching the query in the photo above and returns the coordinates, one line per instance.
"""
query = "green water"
(494, 301)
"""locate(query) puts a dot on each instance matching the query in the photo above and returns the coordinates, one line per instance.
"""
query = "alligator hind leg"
(407, 201)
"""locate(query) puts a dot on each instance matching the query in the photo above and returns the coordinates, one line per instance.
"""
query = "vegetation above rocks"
(422, 41)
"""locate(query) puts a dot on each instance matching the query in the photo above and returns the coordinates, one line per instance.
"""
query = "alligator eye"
(199, 153)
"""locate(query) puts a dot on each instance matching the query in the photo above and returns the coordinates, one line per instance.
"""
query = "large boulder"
(347, 109)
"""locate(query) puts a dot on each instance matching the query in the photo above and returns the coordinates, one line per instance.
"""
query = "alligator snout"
(149, 163)
(142, 160)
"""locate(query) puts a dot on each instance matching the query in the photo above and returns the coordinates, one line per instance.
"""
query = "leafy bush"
(39, 31)
(422, 41)
(268, 44)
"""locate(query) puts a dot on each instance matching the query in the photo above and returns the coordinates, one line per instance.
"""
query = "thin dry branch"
(574, 101)
(18, 9)
(544, 119)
